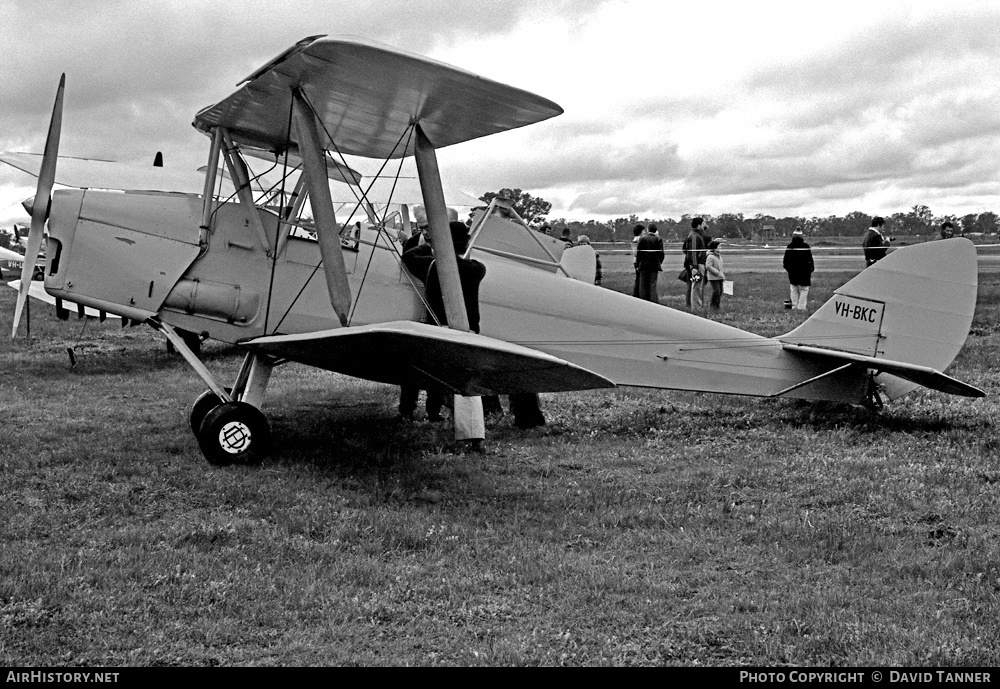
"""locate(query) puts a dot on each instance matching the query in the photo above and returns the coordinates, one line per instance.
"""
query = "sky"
(671, 108)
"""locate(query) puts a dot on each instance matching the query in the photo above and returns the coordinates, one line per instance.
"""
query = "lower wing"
(427, 356)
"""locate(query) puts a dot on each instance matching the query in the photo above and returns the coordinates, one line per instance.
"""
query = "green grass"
(636, 528)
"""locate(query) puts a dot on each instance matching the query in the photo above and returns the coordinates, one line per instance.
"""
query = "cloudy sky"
(784, 108)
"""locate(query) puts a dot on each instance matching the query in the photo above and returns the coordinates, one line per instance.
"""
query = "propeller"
(41, 202)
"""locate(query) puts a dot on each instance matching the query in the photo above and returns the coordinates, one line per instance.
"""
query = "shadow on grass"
(831, 415)
(363, 446)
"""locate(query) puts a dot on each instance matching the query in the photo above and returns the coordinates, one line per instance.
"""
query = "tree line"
(920, 220)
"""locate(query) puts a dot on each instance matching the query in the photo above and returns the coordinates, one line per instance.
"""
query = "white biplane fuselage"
(239, 272)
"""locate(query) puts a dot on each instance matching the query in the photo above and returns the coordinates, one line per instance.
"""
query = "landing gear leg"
(227, 422)
(873, 400)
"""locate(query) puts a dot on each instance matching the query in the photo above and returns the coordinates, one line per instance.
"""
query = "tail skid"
(905, 318)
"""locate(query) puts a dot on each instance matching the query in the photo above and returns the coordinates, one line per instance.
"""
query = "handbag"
(685, 275)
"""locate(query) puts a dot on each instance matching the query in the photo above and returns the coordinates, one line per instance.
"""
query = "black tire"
(206, 402)
(234, 433)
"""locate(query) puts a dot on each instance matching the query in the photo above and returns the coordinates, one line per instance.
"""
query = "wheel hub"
(234, 437)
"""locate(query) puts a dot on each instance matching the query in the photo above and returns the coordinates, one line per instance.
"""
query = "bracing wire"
(407, 134)
(278, 231)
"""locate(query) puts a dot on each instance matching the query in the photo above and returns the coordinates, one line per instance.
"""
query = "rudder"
(915, 305)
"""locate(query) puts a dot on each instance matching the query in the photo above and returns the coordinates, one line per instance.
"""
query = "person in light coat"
(715, 274)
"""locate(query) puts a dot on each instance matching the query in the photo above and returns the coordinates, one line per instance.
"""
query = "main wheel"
(206, 402)
(234, 433)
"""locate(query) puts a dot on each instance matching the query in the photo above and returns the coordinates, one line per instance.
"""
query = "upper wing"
(921, 375)
(367, 96)
(428, 356)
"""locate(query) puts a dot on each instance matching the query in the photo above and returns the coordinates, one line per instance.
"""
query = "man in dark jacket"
(419, 260)
(648, 261)
(695, 250)
(874, 243)
(798, 263)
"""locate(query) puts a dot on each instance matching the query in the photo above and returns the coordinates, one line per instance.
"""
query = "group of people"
(419, 258)
(702, 264)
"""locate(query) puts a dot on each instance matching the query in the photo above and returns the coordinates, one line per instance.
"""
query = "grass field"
(636, 528)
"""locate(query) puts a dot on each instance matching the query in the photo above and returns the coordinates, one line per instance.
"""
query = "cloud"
(669, 108)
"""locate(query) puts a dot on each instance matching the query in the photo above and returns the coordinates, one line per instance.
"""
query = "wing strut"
(437, 219)
(317, 182)
(208, 191)
(469, 424)
(238, 171)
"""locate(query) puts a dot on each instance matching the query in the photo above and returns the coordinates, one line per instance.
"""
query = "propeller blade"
(40, 204)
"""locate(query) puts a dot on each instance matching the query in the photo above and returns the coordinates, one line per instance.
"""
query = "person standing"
(649, 262)
(637, 233)
(418, 246)
(798, 263)
(947, 230)
(419, 260)
(874, 243)
(584, 240)
(714, 273)
(695, 250)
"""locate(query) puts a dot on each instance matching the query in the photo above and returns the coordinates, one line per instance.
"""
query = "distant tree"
(895, 224)
(783, 227)
(986, 222)
(856, 222)
(917, 221)
(532, 209)
(728, 225)
(621, 228)
(673, 230)
(6, 238)
(968, 223)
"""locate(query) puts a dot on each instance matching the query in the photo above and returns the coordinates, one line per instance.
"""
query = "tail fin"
(914, 306)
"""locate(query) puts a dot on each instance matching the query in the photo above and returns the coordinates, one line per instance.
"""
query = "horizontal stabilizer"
(921, 375)
(431, 357)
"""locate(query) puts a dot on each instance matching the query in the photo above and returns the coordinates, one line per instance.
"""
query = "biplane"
(15, 261)
(291, 282)
(12, 259)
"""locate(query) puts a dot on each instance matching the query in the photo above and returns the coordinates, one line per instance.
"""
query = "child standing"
(713, 266)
